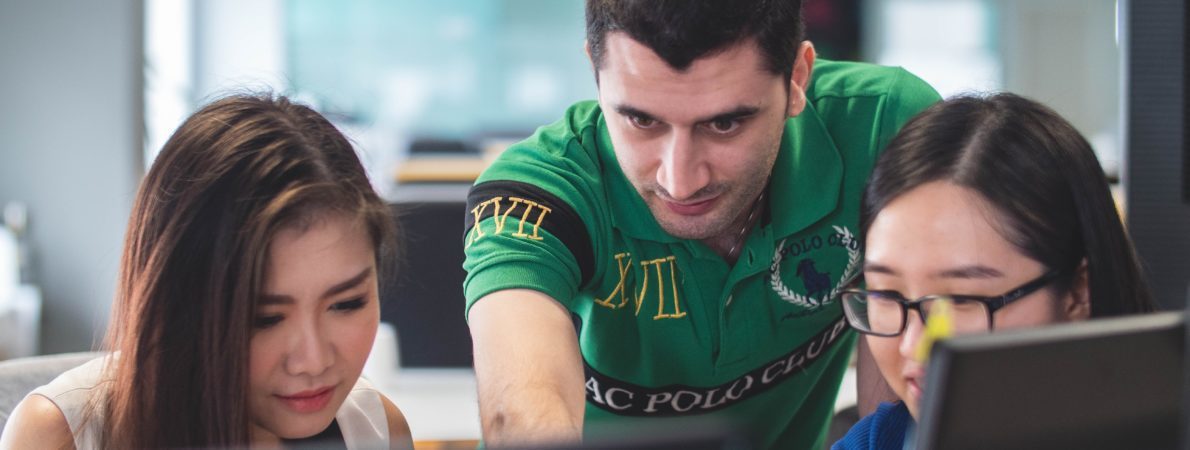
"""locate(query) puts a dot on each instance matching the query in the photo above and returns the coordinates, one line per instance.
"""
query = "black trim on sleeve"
(517, 200)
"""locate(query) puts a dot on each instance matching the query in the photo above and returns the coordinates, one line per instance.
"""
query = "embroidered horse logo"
(816, 283)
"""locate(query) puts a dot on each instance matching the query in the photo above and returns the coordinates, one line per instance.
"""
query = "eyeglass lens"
(885, 315)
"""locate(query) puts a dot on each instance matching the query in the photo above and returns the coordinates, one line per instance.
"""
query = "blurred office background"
(91, 90)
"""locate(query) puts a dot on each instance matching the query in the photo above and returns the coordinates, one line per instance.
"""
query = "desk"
(458, 169)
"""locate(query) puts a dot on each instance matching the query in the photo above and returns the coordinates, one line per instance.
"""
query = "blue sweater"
(882, 430)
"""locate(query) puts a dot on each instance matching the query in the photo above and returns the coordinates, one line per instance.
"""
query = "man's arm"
(528, 367)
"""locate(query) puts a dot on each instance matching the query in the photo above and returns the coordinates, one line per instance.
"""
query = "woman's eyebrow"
(971, 271)
(349, 283)
(280, 299)
(875, 267)
(974, 271)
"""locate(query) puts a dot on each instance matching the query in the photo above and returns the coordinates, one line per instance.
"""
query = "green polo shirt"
(667, 328)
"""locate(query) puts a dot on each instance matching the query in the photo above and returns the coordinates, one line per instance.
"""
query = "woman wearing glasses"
(999, 207)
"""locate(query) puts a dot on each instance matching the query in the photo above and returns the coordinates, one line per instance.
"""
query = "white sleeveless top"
(361, 419)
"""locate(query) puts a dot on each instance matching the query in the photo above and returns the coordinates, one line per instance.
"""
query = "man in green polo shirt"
(673, 250)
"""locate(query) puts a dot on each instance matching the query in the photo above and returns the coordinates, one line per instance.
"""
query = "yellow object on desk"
(440, 169)
(939, 325)
(446, 445)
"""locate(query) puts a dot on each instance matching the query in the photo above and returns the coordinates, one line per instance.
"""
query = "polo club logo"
(817, 283)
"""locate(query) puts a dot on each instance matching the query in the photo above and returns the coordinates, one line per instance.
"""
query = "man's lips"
(308, 401)
(691, 208)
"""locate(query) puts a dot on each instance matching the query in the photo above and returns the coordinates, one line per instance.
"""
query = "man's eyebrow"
(634, 112)
(279, 299)
(739, 112)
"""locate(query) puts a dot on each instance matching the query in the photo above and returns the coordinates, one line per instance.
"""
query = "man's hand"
(529, 369)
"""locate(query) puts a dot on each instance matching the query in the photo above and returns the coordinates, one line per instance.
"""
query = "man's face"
(698, 145)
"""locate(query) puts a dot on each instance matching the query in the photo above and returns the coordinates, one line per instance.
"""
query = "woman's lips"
(691, 208)
(308, 401)
(914, 375)
(915, 388)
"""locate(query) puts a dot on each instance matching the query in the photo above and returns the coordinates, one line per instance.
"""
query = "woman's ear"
(1077, 305)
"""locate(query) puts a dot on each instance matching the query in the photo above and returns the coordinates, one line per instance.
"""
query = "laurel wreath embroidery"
(810, 302)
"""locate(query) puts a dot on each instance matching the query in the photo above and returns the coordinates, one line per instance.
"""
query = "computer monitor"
(1105, 383)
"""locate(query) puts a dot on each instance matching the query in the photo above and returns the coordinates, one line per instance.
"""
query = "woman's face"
(938, 239)
(315, 325)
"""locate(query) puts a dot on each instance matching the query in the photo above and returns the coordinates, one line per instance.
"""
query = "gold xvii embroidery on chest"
(815, 279)
(532, 213)
(658, 275)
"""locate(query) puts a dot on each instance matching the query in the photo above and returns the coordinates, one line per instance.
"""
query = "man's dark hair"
(681, 31)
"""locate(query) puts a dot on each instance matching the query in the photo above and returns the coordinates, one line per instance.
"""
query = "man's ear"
(803, 69)
(1077, 305)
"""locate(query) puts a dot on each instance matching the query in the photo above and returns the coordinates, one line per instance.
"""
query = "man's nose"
(682, 172)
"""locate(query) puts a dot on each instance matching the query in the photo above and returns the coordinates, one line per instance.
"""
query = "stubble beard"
(732, 208)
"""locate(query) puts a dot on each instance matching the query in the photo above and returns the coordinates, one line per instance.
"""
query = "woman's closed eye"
(886, 293)
(264, 321)
(267, 321)
(349, 305)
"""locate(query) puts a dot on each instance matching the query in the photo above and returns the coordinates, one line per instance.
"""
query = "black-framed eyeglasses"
(882, 313)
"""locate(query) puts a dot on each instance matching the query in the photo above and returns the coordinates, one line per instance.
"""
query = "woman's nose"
(911, 337)
(312, 353)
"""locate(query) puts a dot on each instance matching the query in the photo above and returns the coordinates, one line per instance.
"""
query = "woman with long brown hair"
(247, 299)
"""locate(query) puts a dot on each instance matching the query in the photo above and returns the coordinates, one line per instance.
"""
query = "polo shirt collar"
(807, 177)
(805, 186)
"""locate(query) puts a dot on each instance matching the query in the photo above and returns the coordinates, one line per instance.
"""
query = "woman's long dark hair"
(1041, 176)
(228, 179)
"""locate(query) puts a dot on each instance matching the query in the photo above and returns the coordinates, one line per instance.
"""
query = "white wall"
(239, 45)
(1064, 53)
(1061, 52)
(70, 133)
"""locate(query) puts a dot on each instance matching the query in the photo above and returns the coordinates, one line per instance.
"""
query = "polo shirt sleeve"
(530, 218)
